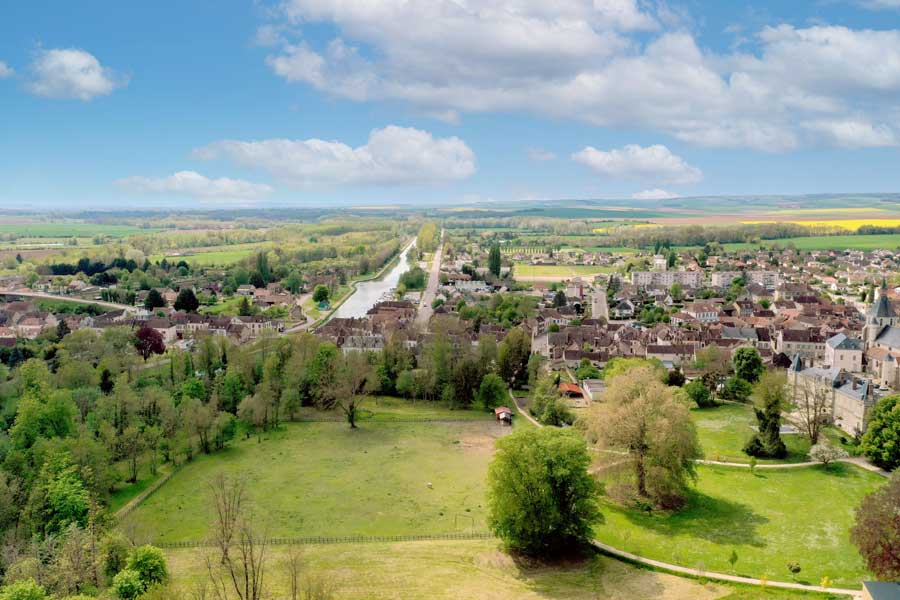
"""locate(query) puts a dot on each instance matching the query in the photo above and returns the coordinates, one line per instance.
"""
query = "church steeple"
(880, 315)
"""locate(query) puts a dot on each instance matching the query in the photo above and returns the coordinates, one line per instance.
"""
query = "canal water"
(368, 293)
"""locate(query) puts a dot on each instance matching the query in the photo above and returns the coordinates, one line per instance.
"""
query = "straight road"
(423, 316)
(46, 296)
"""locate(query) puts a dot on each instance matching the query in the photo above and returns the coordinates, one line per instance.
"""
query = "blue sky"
(319, 102)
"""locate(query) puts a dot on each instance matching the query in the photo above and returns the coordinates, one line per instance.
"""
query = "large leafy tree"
(154, 300)
(320, 294)
(59, 497)
(877, 530)
(491, 392)
(541, 498)
(186, 301)
(748, 364)
(148, 341)
(512, 357)
(881, 442)
(640, 415)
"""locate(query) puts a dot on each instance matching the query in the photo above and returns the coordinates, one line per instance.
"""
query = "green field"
(68, 230)
(472, 569)
(724, 430)
(215, 255)
(310, 470)
(889, 241)
(219, 257)
(768, 519)
(525, 271)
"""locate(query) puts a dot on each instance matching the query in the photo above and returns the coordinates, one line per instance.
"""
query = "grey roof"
(859, 388)
(882, 590)
(889, 336)
(882, 309)
(739, 333)
(842, 342)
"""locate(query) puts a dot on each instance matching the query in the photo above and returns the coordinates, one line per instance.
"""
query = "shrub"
(127, 584)
(699, 394)
(150, 565)
(23, 590)
(826, 453)
(737, 389)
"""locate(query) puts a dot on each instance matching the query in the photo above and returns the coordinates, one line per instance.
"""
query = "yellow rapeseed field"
(848, 224)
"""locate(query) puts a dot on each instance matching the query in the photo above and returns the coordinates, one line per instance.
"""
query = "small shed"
(570, 389)
(504, 414)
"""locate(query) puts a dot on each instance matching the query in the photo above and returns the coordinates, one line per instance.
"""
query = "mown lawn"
(311, 479)
(472, 570)
(526, 271)
(725, 429)
(768, 519)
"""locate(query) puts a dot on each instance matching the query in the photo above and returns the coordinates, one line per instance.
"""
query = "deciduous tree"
(877, 530)
(512, 357)
(641, 416)
(186, 301)
(148, 341)
(541, 498)
(881, 442)
(748, 364)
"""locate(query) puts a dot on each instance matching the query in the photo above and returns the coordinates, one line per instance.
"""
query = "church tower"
(880, 315)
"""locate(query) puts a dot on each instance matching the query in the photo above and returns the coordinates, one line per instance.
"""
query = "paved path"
(621, 554)
(423, 316)
(607, 549)
(853, 460)
(46, 296)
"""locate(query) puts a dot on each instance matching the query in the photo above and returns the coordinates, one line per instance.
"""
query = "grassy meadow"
(472, 569)
(303, 476)
(768, 518)
(725, 429)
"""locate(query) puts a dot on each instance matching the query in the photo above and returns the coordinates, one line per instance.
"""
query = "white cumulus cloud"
(199, 187)
(654, 194)
(5, 70)
(651, 163)
(392, 155)
(614, 63)
(73, 74)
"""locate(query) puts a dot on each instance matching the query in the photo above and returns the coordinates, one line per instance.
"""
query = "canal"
(369, 292)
